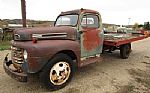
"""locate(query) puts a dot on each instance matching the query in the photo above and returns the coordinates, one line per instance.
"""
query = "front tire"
(58, 72)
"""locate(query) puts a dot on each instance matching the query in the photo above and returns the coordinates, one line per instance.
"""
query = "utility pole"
(23, 9)
(129, 21)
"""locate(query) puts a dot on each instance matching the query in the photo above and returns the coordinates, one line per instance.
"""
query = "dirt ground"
(112, 75)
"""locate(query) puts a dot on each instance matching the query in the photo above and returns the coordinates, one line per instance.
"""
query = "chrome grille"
(17, 55)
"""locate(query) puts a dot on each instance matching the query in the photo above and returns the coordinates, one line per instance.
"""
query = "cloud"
(112, 11)
(10, 9)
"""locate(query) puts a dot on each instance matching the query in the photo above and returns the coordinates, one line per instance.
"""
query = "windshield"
(67, 20)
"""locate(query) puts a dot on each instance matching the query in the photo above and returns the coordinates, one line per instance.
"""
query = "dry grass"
(141, 77)
(126, 89)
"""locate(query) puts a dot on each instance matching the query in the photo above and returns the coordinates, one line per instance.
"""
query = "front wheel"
(58, 72)
(125, 51)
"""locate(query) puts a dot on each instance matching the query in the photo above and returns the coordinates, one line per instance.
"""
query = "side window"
(90, 21)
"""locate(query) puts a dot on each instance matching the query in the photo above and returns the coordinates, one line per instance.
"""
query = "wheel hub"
(60, 73)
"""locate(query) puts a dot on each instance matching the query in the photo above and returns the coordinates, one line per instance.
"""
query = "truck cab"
(54, 52)
(89, 32)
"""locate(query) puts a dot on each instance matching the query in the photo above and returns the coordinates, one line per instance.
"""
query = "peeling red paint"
(91, 39)
(33, 64)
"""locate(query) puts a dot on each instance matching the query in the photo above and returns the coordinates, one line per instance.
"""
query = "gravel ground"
(112, 75)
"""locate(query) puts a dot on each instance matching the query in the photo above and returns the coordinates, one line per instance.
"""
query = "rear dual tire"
(125, 51)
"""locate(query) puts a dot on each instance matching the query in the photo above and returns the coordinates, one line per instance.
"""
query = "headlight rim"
(25, 54)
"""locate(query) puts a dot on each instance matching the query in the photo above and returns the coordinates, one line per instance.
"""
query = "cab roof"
(79, 11)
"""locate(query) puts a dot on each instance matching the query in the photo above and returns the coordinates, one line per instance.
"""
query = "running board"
(90, 61)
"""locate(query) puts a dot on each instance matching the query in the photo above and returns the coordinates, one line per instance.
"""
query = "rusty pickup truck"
(76, 40)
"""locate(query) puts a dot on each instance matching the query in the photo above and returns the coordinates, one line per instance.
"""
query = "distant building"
(110, 27)
(15, 25)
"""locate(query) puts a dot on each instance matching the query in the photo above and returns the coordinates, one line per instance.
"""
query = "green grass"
(4, 45)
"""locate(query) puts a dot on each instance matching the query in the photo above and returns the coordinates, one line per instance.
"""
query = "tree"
(136, 25)
(3, 23)
(146, 25)
(141, 25)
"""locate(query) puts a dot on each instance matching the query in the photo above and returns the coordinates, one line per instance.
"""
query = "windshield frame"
(67, 25)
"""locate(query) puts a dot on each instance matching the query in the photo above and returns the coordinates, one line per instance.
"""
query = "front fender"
(41, 52)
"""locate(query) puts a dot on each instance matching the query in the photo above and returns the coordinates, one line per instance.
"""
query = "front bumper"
(22, 77)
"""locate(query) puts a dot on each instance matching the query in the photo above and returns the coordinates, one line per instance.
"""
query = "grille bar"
(17, 55)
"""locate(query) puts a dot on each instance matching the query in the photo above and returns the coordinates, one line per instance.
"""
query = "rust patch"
(33, 64)
(91, 39)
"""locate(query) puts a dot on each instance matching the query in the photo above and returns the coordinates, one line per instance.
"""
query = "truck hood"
(45, 33)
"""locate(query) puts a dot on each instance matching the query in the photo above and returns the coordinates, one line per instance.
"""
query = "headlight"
(25, 54)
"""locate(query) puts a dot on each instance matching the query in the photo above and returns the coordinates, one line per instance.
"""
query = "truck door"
(91, 36)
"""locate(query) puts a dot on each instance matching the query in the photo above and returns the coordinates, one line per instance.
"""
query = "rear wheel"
(125, 51)
(58, 72)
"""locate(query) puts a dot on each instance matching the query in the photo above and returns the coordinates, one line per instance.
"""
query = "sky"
(122, 12)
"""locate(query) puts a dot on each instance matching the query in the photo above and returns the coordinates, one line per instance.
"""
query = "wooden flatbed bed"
(120, 39)
(113, 41)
